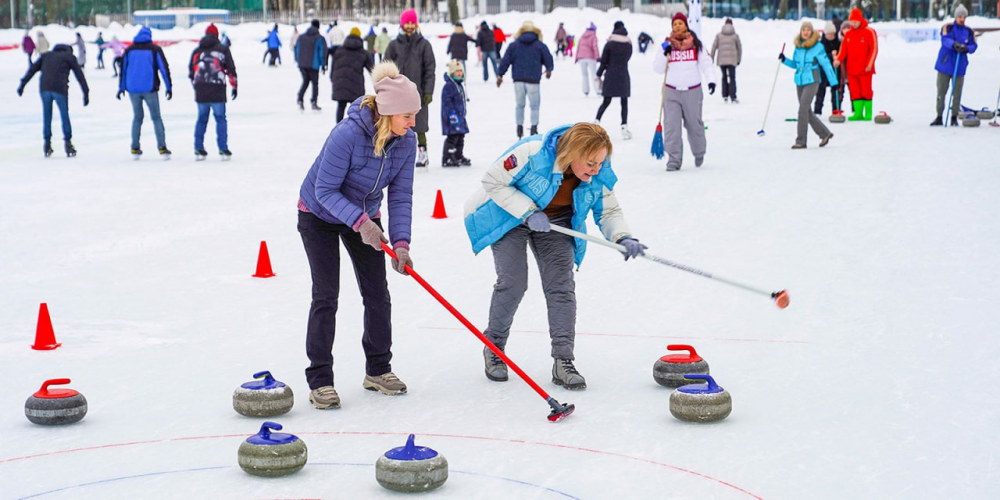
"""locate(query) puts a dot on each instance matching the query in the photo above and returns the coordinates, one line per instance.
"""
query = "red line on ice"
(769, 341)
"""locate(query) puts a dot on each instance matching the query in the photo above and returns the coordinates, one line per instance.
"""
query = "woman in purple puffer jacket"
(340, 199)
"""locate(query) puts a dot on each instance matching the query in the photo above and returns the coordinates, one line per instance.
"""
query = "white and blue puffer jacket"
(524, 179)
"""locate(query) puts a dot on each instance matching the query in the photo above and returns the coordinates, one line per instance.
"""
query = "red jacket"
(498, 36)
(860, 46)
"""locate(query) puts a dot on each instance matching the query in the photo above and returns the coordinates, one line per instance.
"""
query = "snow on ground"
(879, 381)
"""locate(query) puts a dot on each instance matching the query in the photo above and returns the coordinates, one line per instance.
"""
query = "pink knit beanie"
(408, 16)
(395, 94)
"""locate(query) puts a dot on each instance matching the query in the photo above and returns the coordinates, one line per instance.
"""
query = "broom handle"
(663, 89)
(773, 85)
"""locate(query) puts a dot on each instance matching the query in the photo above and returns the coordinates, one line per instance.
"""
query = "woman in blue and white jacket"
(558, 178)
(340, 199)
(807, 61)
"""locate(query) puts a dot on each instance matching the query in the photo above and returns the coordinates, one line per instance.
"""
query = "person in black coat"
(310, 53)
(527, 56)
(347, 75)
(415, 58)
(55, 66)
(486, 41)
(458, 46)
(831, 44)
(614, 70)
(210, 66)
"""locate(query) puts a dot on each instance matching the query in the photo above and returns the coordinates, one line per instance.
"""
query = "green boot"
(866, 110)
(858, 111)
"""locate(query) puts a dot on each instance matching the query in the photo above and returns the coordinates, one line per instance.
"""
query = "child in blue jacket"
(453, 121)
(807, 61)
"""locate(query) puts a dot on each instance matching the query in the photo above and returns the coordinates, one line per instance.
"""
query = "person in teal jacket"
(807, 61)
(555, 179)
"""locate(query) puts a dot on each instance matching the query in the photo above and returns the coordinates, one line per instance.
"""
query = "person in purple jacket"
(340, 200)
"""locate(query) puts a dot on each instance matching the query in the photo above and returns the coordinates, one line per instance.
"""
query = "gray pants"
(806, 116)
(533, 92)
(942, 93)
(554, 254)
(686, 105)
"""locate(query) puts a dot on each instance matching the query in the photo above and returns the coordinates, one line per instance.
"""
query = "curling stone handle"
(54, 381)
(267, 427)
(266, 374)
(712, 386)
(682, 347)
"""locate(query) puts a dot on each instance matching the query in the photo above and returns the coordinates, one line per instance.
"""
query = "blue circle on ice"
(710, 388)
(264, 382)
(411, 452)
(266, 437)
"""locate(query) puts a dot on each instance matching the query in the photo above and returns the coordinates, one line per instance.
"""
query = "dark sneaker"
(954, 121)
(496, 369)
(699, 161)
(301, 106)
(673, 168)
(798, 146)
(387, 383)
(565, 374)
(200, 154)
(826, 140)
(315, 107)
(937, 122)
(520, 131)
(325, 397)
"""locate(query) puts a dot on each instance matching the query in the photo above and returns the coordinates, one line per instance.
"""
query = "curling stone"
(970, 120)
(411, 469)
(669, 370)
(56, 406)
(838, 116)
(699, 402)
(883, 118)
(985, 114)
(272, 454)
(263, 398)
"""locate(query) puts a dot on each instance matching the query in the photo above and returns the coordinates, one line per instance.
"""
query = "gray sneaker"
(496, 369)
(565, 374)
(699, 161)
(387, 383)
(324, 397)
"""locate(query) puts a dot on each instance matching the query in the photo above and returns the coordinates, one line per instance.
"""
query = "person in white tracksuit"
(587, 55)
(689, 63)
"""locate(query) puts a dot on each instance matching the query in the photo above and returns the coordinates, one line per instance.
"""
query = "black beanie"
(315, 23)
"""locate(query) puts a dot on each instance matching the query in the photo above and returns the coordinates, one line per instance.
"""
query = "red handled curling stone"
(272, 454)
(56, 406)
(264, 397)
(669, 370)
(699, 402)
(411, 469)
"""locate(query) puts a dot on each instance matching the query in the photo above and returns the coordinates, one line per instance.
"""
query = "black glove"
(86, 100)
(711, 88)
(962, 48)
(499, 81)
(427, 99)
(20, 90)
(170, 94)
(119, 95)
(781, 57)
(323, 70)
(548, 74)
(666, 48)
(234, 93)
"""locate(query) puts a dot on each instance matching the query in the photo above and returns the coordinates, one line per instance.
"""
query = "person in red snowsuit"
(860, 48)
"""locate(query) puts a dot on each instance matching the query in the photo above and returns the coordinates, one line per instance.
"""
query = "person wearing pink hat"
(369, 152)
(415, 58)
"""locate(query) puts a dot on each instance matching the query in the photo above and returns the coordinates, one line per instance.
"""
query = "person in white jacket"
(682, 94)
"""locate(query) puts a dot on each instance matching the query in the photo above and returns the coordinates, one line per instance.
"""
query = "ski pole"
(780, 297)
(951, 98)
(996, 111)
(773, 85)
(559, 410)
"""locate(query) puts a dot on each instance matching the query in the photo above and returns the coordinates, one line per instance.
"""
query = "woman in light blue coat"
(807, 61)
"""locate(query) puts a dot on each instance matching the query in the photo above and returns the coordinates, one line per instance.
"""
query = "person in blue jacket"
(140, 64)
(453, 122)
(957, 42)
(558, 179)
(273, 44)
(340, 200)
(808, 60)
(527, 55)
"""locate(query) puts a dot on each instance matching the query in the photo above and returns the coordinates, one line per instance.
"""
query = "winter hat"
(592, 27)
(454, 66)
(408, 16)
(355, 31)
(856, 15)
(961, 11)
(212, 30)
(315, 23)
(830, 28)
(395, 94)
(681, 16)
(619, 29)
(729, 20)
(806, 24)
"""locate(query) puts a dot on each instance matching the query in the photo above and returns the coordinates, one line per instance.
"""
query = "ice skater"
(614, 71)
(310, 54)
(347, 75)
(141, 62)
(453, 123)
(54, 87)
(273, 47)
(727, 52)
(211, 66)
(527, 56)
(587, 55)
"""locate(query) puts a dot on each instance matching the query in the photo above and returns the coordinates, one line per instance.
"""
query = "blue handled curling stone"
(272, 454)
(411, 469)
(669, 370)
(263, 397)
(56, 406)
(700, 402)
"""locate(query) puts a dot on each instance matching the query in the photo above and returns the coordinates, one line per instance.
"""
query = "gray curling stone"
(970, 120)
(883, 118)
(701, 403)
(985, 114)
(838, 118)
(263, 398)
(56, 406)
(272, 454)
(411, 469)
(669, 370)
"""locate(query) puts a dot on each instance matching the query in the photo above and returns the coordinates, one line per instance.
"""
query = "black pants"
(117, 64)
(309, 75)
(341, 108)
(607, 102)
(454, 147)
(275, 57)
(322, 243)
(821, 94)
(728, 81)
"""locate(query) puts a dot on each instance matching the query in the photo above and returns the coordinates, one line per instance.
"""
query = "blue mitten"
(538, 221)
(633, 248)
(453, 119)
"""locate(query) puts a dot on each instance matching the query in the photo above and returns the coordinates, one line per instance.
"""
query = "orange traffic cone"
(263, 263)
(45, 338)
(439, 212)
